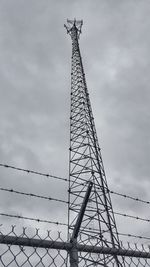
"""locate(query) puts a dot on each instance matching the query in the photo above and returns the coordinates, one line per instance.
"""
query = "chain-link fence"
(38, 249)
(31, 249)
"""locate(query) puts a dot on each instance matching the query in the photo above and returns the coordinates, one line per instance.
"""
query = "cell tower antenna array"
(98, 226)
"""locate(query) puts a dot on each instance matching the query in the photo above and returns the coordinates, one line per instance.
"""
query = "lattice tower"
(98, 226)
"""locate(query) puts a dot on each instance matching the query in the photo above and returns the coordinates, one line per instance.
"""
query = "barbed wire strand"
(135, 236)
(132, 217)
(34, 172)
(33, 195)
(63, 224)
(32, 219)
(39, 220)
(129, 197)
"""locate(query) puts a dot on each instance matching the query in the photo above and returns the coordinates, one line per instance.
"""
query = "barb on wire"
(132, 217)
(34, 172)
(32, 195)
(32, 219)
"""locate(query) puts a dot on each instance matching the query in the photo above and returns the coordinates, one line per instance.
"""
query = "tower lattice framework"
(98, 225)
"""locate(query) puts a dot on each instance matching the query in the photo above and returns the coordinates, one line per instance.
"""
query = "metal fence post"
(74, 254)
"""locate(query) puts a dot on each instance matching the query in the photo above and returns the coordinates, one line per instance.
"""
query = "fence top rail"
(60, 245)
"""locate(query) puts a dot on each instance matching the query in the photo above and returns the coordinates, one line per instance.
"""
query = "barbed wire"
(62, 201)
(65, 202)
(129, 197)
(64, 224)
(135, 236)
(32, 219)
(33, 195)
(47, 221)
(34, 172)
(132, 217)
(66, 180)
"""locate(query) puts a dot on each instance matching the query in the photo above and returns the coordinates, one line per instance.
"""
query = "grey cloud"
(35, 57)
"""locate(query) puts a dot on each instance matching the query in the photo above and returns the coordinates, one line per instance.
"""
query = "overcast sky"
(35, 56)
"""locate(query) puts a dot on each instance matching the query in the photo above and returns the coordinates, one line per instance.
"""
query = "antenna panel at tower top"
(73, 24)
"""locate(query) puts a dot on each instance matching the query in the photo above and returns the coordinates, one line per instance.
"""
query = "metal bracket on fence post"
(74, 251)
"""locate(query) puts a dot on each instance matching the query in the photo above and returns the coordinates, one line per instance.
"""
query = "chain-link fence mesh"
(18, 255)
(34, 248)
